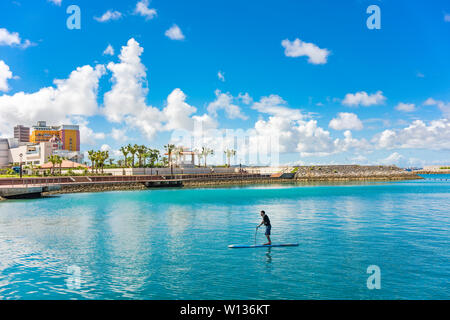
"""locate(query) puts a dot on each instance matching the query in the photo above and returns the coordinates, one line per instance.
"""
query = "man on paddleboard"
(266, 222)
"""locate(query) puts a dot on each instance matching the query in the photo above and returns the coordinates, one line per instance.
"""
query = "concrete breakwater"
(352, 172)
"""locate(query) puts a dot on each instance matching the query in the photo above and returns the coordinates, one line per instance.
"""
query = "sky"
(281, 82)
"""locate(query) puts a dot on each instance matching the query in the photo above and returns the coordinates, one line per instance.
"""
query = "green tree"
(206, 152)
(169, 149)
(229, 153)
(125, 152)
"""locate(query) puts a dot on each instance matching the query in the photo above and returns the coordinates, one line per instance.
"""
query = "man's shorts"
(268, 230)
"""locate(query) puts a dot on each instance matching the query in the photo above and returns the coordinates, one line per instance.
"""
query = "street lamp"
(20, 170)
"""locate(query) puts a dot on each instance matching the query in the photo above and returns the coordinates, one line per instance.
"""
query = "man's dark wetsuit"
(266, 221)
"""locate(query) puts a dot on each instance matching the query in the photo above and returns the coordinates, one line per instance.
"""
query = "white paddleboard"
(240, 246)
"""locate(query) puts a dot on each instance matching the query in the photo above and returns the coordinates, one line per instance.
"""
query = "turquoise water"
(172, 244)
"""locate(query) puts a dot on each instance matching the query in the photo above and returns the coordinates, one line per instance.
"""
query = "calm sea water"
(172, 244)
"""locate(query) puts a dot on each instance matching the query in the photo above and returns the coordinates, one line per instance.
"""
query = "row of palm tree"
(143, 154)
(55, 160)
(148, 157)
(98, 159)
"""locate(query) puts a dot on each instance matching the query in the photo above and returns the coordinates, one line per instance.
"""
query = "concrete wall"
(165, 171)
(435, 168)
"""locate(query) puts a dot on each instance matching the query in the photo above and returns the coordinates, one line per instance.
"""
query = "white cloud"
(177, 112)
(276, 106)
(447, 17)
(105, 147)
(174, 33)
(87, 135)
(420, 75)
(143, 10)
(393, 159)
(298, 48)
(418, 135)
(364, 99)
(128, 77)
(109, 50)
(406, 107)
(55, 2)
(13, 39)
(346, 121)
(109, 15)
(221, 76)
(5, 74)
(119, 134)
(76, 95)
(224, 101)
(443, 106)
(245, 98)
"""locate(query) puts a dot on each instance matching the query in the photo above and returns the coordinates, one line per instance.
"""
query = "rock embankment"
(352, 172)
(92, 187)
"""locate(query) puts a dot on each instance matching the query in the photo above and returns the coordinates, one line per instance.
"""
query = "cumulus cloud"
(119, 134)
(126, 101)
(109, 15)
(276, 106)
(74, 96)
(406, 107)
(224, 101)
(364, 99)
(346, 121)
(143, 10)
(109, 50)
(393, 159)
(5, 74)
(418, 135)
(128, 94)
(299, 48)
(174, 33)
(13, 39)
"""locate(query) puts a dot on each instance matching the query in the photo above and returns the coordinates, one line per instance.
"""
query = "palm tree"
(92, 156)
(153, 155)
(54, 160)
(206, 152)
(125, 152)
(169, 149)
(59, 161)
(141, 150)
(230, 153)
(132, 150)
(102, 156)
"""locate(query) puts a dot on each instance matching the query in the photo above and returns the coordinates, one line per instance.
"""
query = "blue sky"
(387, 90)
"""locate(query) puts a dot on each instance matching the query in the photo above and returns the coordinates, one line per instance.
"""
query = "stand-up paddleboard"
(242, 246)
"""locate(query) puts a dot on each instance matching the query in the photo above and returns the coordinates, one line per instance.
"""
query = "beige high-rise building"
(22, 133)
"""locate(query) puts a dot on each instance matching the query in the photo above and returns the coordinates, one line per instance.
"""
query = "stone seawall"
(352, 172)
(76, 188)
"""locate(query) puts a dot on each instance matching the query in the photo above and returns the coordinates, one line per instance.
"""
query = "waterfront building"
(68, 134)
(4, 153)
(31, 154)
(22, 133)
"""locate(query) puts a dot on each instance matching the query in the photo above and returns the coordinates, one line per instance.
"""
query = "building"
(34, 154)
(22, 133)
(4, 153)
(68, 134)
